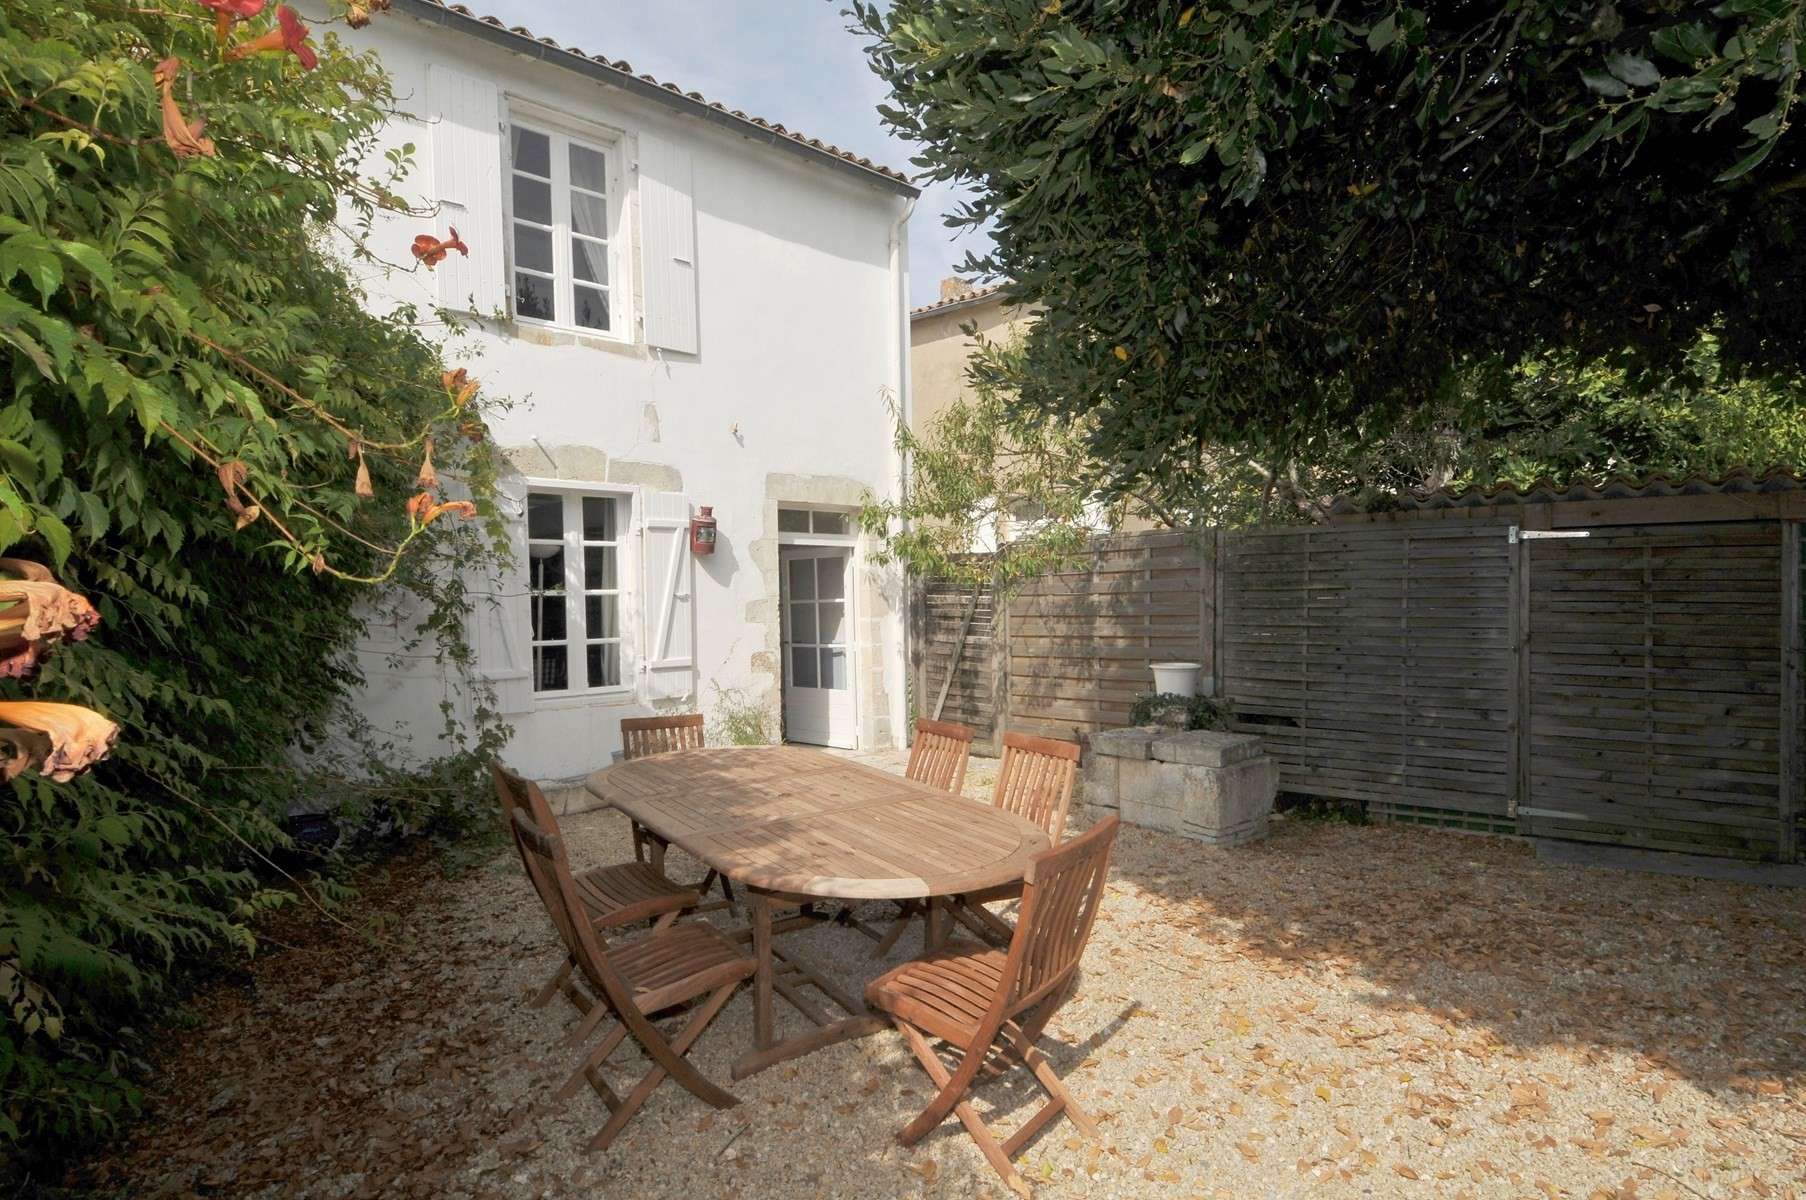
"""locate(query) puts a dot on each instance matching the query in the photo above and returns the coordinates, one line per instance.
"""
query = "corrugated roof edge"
(941, 306)
(620, 74)
(1738, 481)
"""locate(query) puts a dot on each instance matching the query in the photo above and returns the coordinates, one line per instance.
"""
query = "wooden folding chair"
(633, 983)
(612, 896)
(1035, 781)
(645, 736)
(976, 998)
(938, 758)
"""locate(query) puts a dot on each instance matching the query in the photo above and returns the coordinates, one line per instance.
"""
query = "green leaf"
(1383, 33)
(1633, 69)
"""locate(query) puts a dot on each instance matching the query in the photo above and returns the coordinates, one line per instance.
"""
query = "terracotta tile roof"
(971, 297)
(625, 70)
(1738, 481)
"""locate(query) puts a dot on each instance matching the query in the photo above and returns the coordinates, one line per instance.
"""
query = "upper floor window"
(564, 221)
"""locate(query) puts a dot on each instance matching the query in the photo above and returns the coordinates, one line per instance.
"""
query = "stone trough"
(1216, 788)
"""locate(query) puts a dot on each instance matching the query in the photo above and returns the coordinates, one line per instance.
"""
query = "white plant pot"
(1177, 678)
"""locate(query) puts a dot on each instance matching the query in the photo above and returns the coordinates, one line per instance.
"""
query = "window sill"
(614, 697)
(542, 333)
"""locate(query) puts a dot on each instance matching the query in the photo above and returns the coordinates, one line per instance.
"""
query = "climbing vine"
(210, 441)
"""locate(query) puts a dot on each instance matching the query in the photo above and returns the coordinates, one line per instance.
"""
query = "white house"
(691, 307)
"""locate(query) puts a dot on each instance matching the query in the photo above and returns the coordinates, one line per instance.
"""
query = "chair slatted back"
(641, 736)
(522, 798)
(1061, 893)
(550, 869)
(1035, 780)
(939, 755)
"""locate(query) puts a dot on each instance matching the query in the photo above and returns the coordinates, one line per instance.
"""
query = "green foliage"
(162, 319)
(1257, 228)
(1201, 712)
(741, 719)
(989, 475)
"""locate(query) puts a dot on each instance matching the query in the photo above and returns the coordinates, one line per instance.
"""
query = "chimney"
(954, 287)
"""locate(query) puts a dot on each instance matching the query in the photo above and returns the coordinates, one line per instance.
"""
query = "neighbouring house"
(691, 307)
(940, 344)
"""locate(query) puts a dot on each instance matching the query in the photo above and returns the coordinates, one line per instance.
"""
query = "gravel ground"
(1338, 1011)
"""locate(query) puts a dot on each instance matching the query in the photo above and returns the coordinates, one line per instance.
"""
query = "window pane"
(588, 169)
(833, 616)
(532, 248)
(548, 617)
(802, 579)
(802, 622)
(589, 260)
(549, 669)
(833, 578)
(598, 523)
(599, 567)
(545, 565)
(802, 666)
(591, 306)
(604, 665)
(834, 669)
(532, 151)
(589, 215)
(793, 520)
(545, 515)
(830, 522)
(602, 616)
(533, 296)
(532, 200)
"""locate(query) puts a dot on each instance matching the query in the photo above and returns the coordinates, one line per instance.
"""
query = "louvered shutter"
(502, 637)
(670, 625)
(467, 182)
(668, 220)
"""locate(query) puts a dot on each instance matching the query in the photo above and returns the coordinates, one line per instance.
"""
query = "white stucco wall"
(801, 313)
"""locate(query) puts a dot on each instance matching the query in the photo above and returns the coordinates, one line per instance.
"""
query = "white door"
(818, 676)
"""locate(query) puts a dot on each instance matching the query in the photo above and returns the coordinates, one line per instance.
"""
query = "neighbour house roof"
(619, 73)
(1740, 481)
(952, 303)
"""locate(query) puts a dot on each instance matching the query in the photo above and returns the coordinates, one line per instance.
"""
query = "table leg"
(934, 927)
(761, 928)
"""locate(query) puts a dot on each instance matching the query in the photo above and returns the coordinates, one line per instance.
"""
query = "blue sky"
(788, 61)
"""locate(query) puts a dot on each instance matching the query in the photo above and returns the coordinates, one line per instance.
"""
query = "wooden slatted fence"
(1625, 671)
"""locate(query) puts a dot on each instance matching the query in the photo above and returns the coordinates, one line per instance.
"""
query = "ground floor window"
(574, 588)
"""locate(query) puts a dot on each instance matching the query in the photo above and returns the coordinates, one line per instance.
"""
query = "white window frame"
(813, 538)
(577, 639)
(563, 131)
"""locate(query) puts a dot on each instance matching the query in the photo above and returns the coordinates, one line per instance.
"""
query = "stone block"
(1227, 806)
(1098, 785)
(1206, 748)
(1123, 743)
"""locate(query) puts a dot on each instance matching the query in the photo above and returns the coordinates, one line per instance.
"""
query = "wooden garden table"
(795, 826)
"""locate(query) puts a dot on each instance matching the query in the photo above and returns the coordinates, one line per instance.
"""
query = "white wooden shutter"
(502, 635)
(670, 625)
(668, 224)
(467, 183)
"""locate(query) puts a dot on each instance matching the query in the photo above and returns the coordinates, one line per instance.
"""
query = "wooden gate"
(1655, 684)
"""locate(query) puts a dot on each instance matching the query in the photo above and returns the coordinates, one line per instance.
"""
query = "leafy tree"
(1260, 224)
(204, 431)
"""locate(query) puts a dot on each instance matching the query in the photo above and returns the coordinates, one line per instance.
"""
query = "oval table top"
(798, 821)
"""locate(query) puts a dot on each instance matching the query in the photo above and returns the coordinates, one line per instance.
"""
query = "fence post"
(1000, 671)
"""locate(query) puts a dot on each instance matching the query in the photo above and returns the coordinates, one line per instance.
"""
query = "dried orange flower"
(36, 613)
(58, 740)
(184, 137)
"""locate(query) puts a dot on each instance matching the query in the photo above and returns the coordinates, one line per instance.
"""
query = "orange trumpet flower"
(227, 11)
(59, 740)
(357, 12)
(289, 37)
(424, 512)
(184, 137)
(431, 250)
